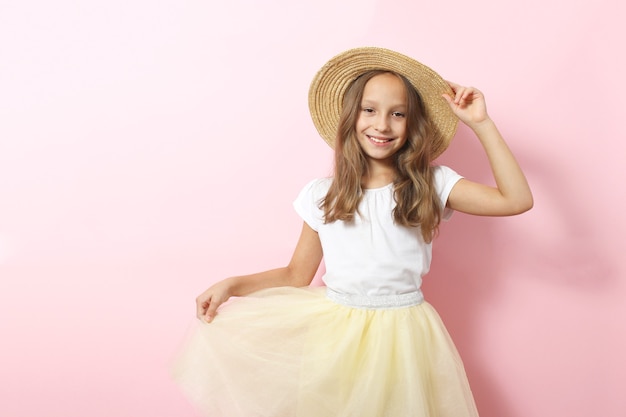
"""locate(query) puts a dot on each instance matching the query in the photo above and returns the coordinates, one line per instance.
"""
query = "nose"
(382, 123)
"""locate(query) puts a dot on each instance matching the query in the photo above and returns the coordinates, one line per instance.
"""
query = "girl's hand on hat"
(208, 302)
(468, 104)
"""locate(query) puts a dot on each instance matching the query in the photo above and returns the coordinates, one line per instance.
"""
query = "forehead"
(385, 86)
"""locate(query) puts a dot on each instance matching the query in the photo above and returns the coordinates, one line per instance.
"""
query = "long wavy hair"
(417, 203)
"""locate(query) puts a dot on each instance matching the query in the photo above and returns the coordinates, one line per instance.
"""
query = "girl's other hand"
(468, 104)
(208, 302)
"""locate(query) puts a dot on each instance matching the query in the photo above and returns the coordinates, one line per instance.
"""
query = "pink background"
(148, 149)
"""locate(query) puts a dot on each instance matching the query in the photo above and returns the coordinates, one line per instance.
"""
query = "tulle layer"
(291, 352)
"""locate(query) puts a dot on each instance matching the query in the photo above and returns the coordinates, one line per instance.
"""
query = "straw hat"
(331, 82)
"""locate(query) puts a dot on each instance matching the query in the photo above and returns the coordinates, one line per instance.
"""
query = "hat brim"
(333, 79)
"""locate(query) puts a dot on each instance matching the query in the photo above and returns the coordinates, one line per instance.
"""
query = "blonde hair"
(417, 203)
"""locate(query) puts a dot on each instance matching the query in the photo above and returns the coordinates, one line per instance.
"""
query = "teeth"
(379, 140)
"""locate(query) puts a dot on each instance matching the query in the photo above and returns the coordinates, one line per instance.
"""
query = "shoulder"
(307, 204)
(317, 187)
(444, 176)
(442, 171)
(445, 179)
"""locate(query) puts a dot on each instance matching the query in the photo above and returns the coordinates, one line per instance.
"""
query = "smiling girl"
(366, 344)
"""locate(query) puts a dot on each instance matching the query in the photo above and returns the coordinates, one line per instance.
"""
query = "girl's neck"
(378, 176)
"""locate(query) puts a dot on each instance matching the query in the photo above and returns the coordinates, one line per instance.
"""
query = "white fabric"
(372, 255)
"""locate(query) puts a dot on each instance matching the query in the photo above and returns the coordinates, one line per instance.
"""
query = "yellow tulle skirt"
(292, 352)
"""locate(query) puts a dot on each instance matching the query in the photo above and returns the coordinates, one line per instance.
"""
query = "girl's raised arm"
(299, 273)
(512, 194)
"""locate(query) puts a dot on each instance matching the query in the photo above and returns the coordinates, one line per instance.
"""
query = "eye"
(397, 114)
(367, 110)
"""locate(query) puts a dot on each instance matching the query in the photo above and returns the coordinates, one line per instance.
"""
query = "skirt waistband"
(376, 301)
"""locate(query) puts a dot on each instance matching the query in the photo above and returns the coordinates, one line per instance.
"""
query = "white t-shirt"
(372, 255)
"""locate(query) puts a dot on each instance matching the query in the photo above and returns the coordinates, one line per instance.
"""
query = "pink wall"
(148, 149)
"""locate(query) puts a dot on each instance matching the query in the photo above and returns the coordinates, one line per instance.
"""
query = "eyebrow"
(374, 102)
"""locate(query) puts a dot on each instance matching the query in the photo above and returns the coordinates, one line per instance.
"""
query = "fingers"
(202, 304)
(462, 95)
(453, 86)
(207, 305)
(211, 310)
(209, 301)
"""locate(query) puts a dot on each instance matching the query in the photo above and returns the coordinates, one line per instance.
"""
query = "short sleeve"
(445, 180)
(307, 202)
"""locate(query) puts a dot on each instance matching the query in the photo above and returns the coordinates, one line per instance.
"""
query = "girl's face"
(381, 124)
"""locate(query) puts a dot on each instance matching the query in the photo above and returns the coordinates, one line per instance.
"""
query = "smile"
(379, 140)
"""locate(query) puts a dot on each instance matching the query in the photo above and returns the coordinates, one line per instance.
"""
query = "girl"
(366, 344)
